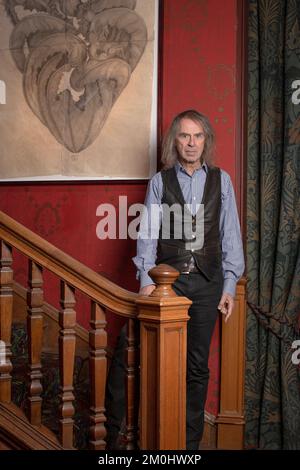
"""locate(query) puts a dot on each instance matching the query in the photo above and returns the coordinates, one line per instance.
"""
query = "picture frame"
(80, 91)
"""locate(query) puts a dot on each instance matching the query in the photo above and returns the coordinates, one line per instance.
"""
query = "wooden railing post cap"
(163, 276)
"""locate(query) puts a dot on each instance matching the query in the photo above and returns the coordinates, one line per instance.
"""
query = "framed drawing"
(80, 79)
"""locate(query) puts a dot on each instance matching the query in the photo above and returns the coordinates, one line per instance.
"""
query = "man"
(210, 268)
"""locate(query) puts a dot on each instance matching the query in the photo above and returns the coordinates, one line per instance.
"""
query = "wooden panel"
(149, 384)
(231, 435)
(209, 438)
(173, 385)
(231, 420)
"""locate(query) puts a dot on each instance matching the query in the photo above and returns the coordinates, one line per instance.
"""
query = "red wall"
(198, 70)
(65, 215)
(199, 67)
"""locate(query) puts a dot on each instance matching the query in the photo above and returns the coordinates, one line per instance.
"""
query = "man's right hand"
(147, 290)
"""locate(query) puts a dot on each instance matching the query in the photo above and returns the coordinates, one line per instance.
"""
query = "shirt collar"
(179, 167)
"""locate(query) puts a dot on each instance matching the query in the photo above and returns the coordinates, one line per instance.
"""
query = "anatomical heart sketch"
(80, 81)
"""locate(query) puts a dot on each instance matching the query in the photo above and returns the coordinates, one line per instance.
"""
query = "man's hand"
(226, 305)
(147, 290)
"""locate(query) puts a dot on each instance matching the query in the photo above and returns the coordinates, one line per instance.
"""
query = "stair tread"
(15, 423)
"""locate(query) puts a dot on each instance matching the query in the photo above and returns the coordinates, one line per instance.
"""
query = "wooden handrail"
(99, 289)
(162, 319)
(164, 313)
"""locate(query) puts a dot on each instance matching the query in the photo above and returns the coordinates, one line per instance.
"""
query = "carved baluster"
(132, 384)
(35, 339)
(6, 305)
(67, 339)
(98, 369)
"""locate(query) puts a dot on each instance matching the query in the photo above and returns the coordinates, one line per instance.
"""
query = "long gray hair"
(169, 151)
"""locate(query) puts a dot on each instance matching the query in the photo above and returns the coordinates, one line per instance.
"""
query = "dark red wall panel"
(198, 71)
(199, 67)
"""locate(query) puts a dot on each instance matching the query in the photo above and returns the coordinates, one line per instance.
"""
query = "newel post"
(163, 330)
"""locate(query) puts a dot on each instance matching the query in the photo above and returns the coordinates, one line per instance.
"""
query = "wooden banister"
(159, 365)
(163, 328)
(67, 321)
(103, 294)
(101, 290)
(98, 369)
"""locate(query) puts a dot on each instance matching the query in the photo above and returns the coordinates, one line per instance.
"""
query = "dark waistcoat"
(178, 252)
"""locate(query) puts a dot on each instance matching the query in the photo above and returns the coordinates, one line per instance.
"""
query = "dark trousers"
(205, 295)
(115, 397)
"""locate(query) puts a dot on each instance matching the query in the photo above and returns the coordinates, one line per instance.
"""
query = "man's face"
(190, 140)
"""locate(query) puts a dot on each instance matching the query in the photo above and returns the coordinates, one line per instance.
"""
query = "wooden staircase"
(155, 353)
